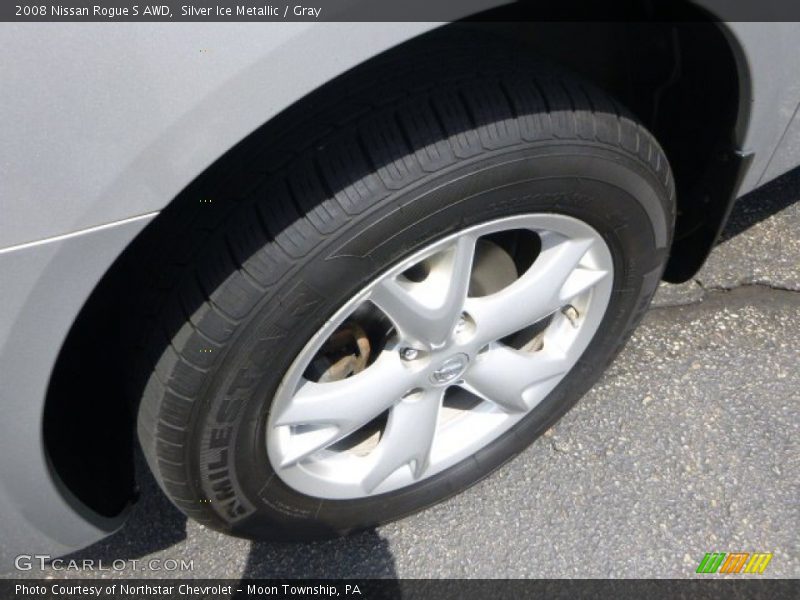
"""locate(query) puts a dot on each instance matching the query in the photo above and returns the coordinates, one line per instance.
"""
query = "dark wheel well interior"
(681, 80)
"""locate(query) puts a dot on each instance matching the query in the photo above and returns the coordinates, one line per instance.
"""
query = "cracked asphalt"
(689, 444)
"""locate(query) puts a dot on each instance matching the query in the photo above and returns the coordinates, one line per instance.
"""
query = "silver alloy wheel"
(448, 379)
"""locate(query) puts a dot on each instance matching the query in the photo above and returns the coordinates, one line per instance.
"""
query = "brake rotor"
(493, 269)
(344, 354)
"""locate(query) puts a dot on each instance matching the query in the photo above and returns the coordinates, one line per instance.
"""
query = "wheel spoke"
(339, 408)
(408, 438)
(427, 312)
(554, 278)
(305, 444)
(502, 375)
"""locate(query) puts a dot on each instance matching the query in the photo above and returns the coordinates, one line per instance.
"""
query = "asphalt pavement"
(689, 444)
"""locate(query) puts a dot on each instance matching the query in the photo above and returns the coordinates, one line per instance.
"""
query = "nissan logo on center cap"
(450, 369)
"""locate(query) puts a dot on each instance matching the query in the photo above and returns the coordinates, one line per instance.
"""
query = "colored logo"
(734, 562)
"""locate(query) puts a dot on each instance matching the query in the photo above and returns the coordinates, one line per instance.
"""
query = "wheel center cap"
(450, 369)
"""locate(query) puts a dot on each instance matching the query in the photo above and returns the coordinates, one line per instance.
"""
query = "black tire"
(434, 152)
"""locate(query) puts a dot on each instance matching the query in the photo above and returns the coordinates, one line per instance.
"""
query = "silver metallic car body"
(104, 124)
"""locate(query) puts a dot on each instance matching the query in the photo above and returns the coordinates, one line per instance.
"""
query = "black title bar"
(173, 11)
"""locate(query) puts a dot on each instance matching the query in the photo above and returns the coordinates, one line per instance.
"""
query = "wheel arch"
(704, 197)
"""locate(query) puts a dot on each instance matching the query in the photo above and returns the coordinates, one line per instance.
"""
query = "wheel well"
(683, 82)
(679, 78)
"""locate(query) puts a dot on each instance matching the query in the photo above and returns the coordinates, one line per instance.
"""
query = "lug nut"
(572, 314)
(461, 325)
(409, 353)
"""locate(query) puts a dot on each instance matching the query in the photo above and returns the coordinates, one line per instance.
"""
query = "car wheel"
(406, 304)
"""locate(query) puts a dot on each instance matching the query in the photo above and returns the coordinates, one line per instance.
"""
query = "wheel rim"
(463, 353)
